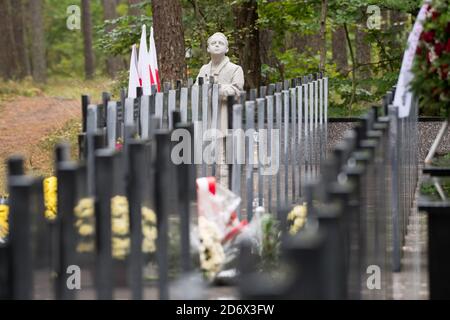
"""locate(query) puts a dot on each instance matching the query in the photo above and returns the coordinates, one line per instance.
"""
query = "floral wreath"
(431, 81)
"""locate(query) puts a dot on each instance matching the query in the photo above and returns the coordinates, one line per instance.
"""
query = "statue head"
(217, 44)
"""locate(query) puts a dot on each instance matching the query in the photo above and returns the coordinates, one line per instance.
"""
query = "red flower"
(447, 46)
(119, 146)
(435, 15)
(438, 48)
(428, 36)
(419, 51)
(444, 71)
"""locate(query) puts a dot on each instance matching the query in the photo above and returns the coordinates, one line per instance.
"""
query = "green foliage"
(290, 23)
(431, 81)
(64, 46)
(428, 189)
(270, 242)
(125, 31)
(442, 161)
(10, 89)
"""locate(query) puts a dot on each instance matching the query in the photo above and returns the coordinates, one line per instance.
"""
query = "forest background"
(68, 46)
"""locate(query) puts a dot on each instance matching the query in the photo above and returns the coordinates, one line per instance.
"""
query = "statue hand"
(226, 90)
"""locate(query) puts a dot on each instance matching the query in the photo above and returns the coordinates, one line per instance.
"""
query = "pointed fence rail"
(284, 124)
(125, 152)
(358, 209)
(358, 196)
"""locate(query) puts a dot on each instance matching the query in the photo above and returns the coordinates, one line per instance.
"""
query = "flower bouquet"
(431, 82)
(220, 232)
(4, 214)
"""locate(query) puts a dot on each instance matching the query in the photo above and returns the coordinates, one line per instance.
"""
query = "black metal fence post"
(163, 174)
(67, 198)
(104, 181)
(186, 193)
(20, 237)
(135, 190)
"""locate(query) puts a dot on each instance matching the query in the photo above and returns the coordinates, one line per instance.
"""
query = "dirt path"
(25, 121)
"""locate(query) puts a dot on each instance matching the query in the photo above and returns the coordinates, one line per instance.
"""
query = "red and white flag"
(144, 64)
(133, 80)
(154, 61)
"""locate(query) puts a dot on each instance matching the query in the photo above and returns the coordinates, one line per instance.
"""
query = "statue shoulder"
(234, 69)
(234, 66)
(203, 69)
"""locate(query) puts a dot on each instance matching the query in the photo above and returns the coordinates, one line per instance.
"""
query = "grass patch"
(428, 189)
(72, 88)
(42, 160)
(357, 111)
(66, 88)
(25, 88)
(442, 161)
(68, 133)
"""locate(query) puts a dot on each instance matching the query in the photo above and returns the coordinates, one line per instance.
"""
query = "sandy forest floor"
(26, 123)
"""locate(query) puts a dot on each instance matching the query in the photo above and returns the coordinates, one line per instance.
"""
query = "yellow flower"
(85, 208)
(120, 247)
(120, 226)
(119, 206)
(86, 230)
(4, 226)
(297, 217)
(148, 215)
(148, 246)
(50, 186)
(212, 255)
(150, 233)
(85, 247)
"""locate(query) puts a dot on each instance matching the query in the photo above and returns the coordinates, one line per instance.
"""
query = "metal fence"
(357, 215)
(141, 178)
(358, 196)
(437, 210)
(289, 118)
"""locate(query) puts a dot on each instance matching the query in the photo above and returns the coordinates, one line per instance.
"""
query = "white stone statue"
(230, 78)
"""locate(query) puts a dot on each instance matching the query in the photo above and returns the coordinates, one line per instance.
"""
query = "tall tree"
(267, 55)
(8, 55)
(38, 58)
(133, 9)
(19, 38)
(247, 41)
(89, 67)
(339, 49)
(169, 39)
(113, 64)
(323, 38)
(397, 20)
(363, 54)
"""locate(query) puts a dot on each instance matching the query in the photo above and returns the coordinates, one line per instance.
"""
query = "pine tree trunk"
(323, 38)
(113, 64)
(339, 48)
(8, 57)
(397, 21)
(19, 39)
(86, 18)
(134, 11)
(267, 56)
(247, 41)
(38, 59)
(363, 55)
(169, 39)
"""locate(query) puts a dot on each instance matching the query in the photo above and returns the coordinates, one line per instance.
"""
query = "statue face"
(217, 46)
